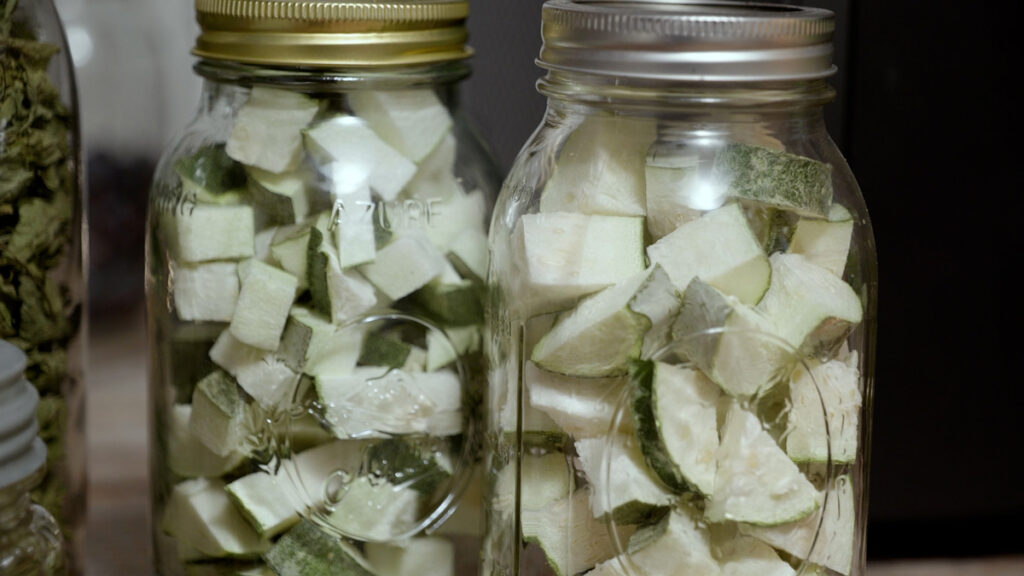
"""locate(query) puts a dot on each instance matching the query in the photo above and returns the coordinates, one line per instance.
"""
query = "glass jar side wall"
(606, 155)
(380, 249)
(42, 291)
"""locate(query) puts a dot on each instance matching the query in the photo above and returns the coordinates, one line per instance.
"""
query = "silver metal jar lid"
(21, 451)
(686, 40)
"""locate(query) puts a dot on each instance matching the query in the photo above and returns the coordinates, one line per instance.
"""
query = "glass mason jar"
(315, 269)
(41, 276)
(682, 304)
(30, 539)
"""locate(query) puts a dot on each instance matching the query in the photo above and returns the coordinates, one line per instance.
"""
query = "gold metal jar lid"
(325, 33)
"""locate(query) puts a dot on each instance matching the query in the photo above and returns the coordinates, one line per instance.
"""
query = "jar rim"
(704, 41)
(330, 33)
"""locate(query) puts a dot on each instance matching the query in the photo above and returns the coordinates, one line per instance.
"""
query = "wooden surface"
(118, 525)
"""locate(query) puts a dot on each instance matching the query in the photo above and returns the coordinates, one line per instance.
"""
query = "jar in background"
(30, 539)
(315, 268)
(682, 304)
(41, 276)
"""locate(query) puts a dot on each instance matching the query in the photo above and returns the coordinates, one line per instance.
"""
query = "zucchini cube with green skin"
(209, 172)
(267, 132)
(731, 343)
(405, 265)
(307, 550)
(201, 517)
(452, 304)
(572, 539)
(349, 144)
(265, 501)
(543, 480)
(624, 488)
(376, 401)
(264, 377)
(263, 304)
(412, 557)
(205, 292)
(775, 178)
(719, 248)
(812, 309)
(599, 337)
(289, 247)
(373, 510)
(318, 347)
(677, 544)
(839, 385)
(414, 122)
(211, 232)
(218, 413)
(675, 414)
(825, 242)
(188, 456)
(832, 546)
(600, 169)
(283, 197)
(564, 256)
(339, 295)
(756, 482)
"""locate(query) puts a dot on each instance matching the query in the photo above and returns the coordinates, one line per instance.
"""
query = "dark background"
(923, 116)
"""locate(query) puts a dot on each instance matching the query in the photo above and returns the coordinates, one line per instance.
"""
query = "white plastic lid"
(21, 451)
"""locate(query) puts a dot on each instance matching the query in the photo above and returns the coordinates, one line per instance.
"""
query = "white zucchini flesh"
(543, 479)
(675, 413)
(267, 130)
(435, 177)
(678, 544)
(188, 456)
(599, 337)
(260, 373)
(563, 256)
(600, 169)
(377, 401)
(451, 217)
(834, 546)
(205, 292)
(732, 343)
(676, 193)
(746, 556)
(572, 539)
(623, 485)
(756, 482)
(201, 517)
(263, 303)
(347, 142)
(839, 384)
(405, 265)
(582, 407)
(720, 249)
(812, 309)
(283, 197)
(825, 242)
(414, 122)
(211, 232)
